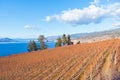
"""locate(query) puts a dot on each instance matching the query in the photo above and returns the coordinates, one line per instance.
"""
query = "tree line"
(61, 41)
(65, 40)
(32, 46)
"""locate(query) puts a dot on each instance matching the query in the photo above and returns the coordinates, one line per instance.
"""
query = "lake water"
(10, 48)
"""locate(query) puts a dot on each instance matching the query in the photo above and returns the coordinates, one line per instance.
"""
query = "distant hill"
(114, 33)
(96, 36)
(17, 39)
(6, 40)
(108, 34)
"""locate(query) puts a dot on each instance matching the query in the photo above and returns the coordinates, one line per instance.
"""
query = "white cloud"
(29, 27)
(95, 2)
(116, 24)
(87, 15)
(98, 2)
(48, 18)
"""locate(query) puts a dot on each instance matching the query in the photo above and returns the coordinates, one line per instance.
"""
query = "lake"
(9, 48)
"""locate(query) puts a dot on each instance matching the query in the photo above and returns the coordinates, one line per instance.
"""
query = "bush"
(59, 42)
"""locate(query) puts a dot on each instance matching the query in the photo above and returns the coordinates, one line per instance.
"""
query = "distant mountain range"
(16, 40)
(6, 40)
(115, 33)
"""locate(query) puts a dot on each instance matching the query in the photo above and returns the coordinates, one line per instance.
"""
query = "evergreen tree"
(64, 39)
(59, 42)
(78, 42)
(42, 43)
(68, 40)
(32, 46)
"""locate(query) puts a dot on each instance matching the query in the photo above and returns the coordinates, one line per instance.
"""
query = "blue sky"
(31, 18)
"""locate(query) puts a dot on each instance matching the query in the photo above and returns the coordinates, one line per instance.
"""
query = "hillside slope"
(93, 61)
(92, 36)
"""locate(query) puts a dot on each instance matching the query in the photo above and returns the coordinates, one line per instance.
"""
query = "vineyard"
(90, 61)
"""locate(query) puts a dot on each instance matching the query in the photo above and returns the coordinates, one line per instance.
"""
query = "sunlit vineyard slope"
(92, 61)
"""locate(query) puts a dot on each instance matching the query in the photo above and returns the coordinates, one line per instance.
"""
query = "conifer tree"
(78, 42)
(32, 46)
(42, 43)
(64, 39)
(68, 40)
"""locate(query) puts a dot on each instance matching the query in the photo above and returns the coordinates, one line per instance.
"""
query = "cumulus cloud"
(98, 2)
(116, 24)
(95, 2)
(87, 15)
(48, 18)
(29, 27)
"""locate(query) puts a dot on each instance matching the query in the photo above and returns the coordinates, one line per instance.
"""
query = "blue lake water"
(10, 48)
